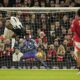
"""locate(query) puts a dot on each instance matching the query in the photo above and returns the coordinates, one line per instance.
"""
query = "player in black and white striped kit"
(13, 26)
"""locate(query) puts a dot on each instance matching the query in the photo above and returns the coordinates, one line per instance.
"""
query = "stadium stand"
(40, 3)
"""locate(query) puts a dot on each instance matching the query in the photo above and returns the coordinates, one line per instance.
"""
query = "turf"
(39, 75)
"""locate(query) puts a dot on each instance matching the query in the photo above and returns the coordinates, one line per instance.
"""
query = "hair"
(78, 12)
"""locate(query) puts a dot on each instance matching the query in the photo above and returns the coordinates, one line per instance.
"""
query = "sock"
(79, 68)
(44, 64)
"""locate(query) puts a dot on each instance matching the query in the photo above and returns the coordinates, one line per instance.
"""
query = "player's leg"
(7, 33)
(8, 30)
(40, 59)
(78, 60)
(32, 54)
(77, 54)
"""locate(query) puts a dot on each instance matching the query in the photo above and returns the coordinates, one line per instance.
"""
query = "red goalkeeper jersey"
(75, 27)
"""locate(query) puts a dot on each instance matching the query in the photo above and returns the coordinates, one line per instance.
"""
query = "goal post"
(50, 27)
(39, 10)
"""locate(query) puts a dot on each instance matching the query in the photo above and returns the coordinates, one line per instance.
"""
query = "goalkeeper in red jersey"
(75, 28)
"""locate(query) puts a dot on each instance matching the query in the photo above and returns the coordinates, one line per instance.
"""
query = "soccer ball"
(39, 55)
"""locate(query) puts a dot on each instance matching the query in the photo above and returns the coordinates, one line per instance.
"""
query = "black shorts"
(19, 32)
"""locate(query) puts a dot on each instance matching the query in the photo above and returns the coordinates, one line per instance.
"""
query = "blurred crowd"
(40, 3)
(51, 31)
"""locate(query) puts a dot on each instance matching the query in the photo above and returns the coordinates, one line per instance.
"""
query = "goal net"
(50, 28)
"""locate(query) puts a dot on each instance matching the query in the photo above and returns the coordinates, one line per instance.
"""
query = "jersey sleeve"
(35, 44)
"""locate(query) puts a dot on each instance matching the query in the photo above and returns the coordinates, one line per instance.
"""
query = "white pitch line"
(41, 69)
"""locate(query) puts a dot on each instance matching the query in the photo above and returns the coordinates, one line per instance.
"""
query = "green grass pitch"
(8, 74)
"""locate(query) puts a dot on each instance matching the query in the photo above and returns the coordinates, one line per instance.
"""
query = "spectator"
(40, 3)
(47, 2)
(21, 41)
(65, 42)
(52, 32)
(52, 3)
(8, 56)
(77, 3)
(61, 50)
(18, 3)
(1, 17)
(51, 53)
(7, 3)
(58, 28)
(60, 55)
(1, 54)
(56, 43)
(65, 22)
(43, 4)
(72, 4)
(29, 3)
(16, 57)
(1, 28)
(57, 3)
(62, 3)
(36, 4)
(7, 43)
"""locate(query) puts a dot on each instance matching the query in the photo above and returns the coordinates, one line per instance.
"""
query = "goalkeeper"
(30, 50)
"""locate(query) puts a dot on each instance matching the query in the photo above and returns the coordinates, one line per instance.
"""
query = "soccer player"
(13, 26)
(75, 28)
(30, 49)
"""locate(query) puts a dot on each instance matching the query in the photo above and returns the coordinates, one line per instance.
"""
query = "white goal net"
(49, 27)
